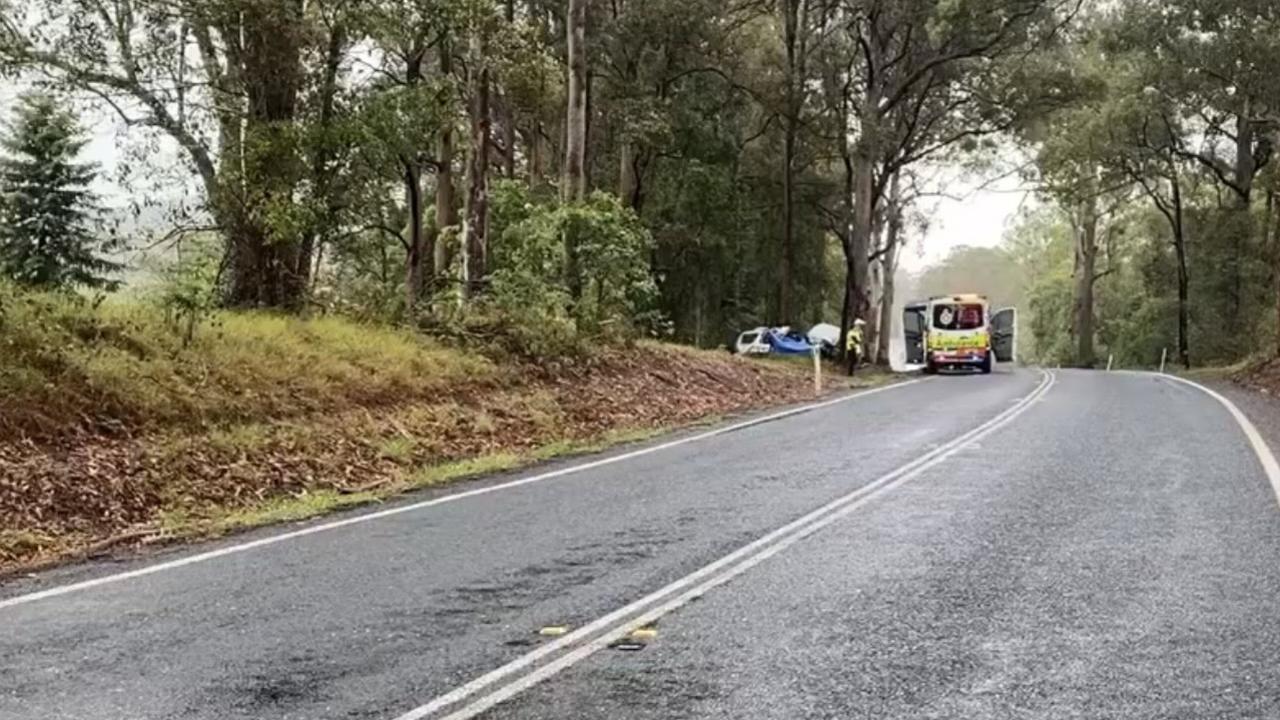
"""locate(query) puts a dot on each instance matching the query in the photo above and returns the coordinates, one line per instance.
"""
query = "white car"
(753, 342)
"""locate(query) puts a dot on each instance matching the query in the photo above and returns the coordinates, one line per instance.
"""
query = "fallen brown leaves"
(1262, 376)
(60, 499)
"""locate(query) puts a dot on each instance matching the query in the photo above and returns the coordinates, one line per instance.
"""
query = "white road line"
(1260, 447)
(618, 622)
(369, 517)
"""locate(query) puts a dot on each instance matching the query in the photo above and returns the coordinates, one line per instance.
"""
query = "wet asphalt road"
(1109, 553)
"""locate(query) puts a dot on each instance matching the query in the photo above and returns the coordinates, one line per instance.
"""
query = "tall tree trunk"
(574, 187)
(509, 111)
(1184, 322)
(267, 268)
(1184, 284)
(1242, 229)
(887, 316)
(475, 259)
(846, 216)
(419, 251)
(446, 196)
(574, 184)
(1273, 245)
(589, 99)
(508, 139)
(889, 262)
(537, 155)
(628, 183)
(322, 157)
(1245, 168)
(792, 30)
(788, 226)
(416, 252)
(1086, 270)
(871, 333)
(863, 228)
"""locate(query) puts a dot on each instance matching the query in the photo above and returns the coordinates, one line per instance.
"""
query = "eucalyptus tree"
(1212, 64)
(928, 77)
(230, 83)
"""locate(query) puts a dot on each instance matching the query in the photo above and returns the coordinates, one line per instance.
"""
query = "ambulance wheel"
(930, 368)
(986, 365)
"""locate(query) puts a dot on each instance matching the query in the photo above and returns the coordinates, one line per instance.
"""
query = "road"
(1070, 545)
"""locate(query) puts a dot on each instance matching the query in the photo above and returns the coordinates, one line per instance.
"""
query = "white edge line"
(815, 518)
(1260, 447)
(369, 517)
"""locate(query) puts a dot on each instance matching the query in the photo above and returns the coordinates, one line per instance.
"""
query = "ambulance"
(955, 332)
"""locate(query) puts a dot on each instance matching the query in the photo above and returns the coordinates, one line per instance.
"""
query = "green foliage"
(364, 278)
(532, 79)
(188, 292)
(550, 303)
(316, 149)
(1233, 301)
(1049, 321)
(617, 292)
(49, 234)
(1136, 305)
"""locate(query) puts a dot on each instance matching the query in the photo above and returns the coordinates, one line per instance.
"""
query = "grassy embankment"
(114, 430)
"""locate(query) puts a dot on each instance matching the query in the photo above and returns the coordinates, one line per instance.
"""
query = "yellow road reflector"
(553, 630)
(644, 633)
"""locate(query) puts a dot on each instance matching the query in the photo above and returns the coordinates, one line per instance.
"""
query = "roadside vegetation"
(114, 428)
(334, 248)
(1158, 226)
(71, 367)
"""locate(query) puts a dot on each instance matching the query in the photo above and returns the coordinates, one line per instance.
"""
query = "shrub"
(187, 292)
(569, 275)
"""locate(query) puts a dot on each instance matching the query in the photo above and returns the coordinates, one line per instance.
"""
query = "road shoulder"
(132, 556)
(1259, 405)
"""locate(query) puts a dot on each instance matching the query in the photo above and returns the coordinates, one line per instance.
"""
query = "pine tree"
(48, 214)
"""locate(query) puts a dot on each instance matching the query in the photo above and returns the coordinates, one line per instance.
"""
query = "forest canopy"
(553, 170)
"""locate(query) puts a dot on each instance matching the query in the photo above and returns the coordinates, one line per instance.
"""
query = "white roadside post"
(1109, 359)
(1164, 353)
(817, 371)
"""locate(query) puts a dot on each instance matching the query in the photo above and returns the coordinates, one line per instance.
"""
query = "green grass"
(15, 543)
(240, 438)
(610, 439)
(293, 508)
(449, 472)
(65, 362)
(1219, 372)
(398, 448)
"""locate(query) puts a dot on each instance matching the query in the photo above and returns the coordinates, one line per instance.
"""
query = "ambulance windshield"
(948, 316)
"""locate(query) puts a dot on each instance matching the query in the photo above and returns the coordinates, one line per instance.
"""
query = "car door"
(914, 324)
(1004, 334)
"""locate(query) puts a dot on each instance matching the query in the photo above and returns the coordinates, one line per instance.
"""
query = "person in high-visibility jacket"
(853, 344)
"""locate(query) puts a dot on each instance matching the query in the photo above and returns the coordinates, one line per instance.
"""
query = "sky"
(973, 210)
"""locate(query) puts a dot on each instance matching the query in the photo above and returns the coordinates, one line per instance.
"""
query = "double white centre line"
(528, 670)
